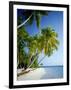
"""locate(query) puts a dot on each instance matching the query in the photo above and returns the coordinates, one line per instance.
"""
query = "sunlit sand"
(32, 74)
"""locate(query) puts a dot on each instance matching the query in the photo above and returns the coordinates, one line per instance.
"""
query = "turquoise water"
(53, 72)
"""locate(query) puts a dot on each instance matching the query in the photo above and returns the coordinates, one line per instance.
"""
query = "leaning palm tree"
(46, 43)
(33, 52)
(30, 15)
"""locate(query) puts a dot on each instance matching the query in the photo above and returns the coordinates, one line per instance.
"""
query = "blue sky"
(55, 20)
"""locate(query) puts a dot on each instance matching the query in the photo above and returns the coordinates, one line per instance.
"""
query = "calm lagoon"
(53, 72)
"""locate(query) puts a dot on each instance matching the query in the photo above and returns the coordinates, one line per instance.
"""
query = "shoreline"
(42, 73)
(33, 74)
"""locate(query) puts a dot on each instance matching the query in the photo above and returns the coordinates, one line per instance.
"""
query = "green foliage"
(50, 42)
(21, 43)
(24, 40)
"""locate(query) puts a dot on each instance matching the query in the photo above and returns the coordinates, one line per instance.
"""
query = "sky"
(54, 19)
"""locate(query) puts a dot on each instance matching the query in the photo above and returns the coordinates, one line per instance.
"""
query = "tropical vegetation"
(29, 47)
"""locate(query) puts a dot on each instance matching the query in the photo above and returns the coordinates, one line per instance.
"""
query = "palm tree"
(25, 41)
(47, 43)
(30, 15)
(33, 54)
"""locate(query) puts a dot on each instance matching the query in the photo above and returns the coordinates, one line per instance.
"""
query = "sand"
(32, 75)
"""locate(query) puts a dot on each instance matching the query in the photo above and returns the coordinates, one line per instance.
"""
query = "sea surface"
(53, 72)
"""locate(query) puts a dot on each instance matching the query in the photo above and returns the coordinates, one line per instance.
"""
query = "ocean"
(53, 72)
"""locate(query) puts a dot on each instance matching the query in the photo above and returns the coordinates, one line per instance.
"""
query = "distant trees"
(29, 47)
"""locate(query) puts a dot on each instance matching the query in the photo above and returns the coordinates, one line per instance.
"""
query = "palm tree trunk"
(24, 22)
(41, 59)
(40, 26)
(32, 61)
(39, 31)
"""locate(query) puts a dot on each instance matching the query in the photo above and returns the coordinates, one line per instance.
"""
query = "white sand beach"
(32, 75)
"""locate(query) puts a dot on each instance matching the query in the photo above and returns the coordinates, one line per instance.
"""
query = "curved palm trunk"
(41, 60)
(24, 22)
(33, 61)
